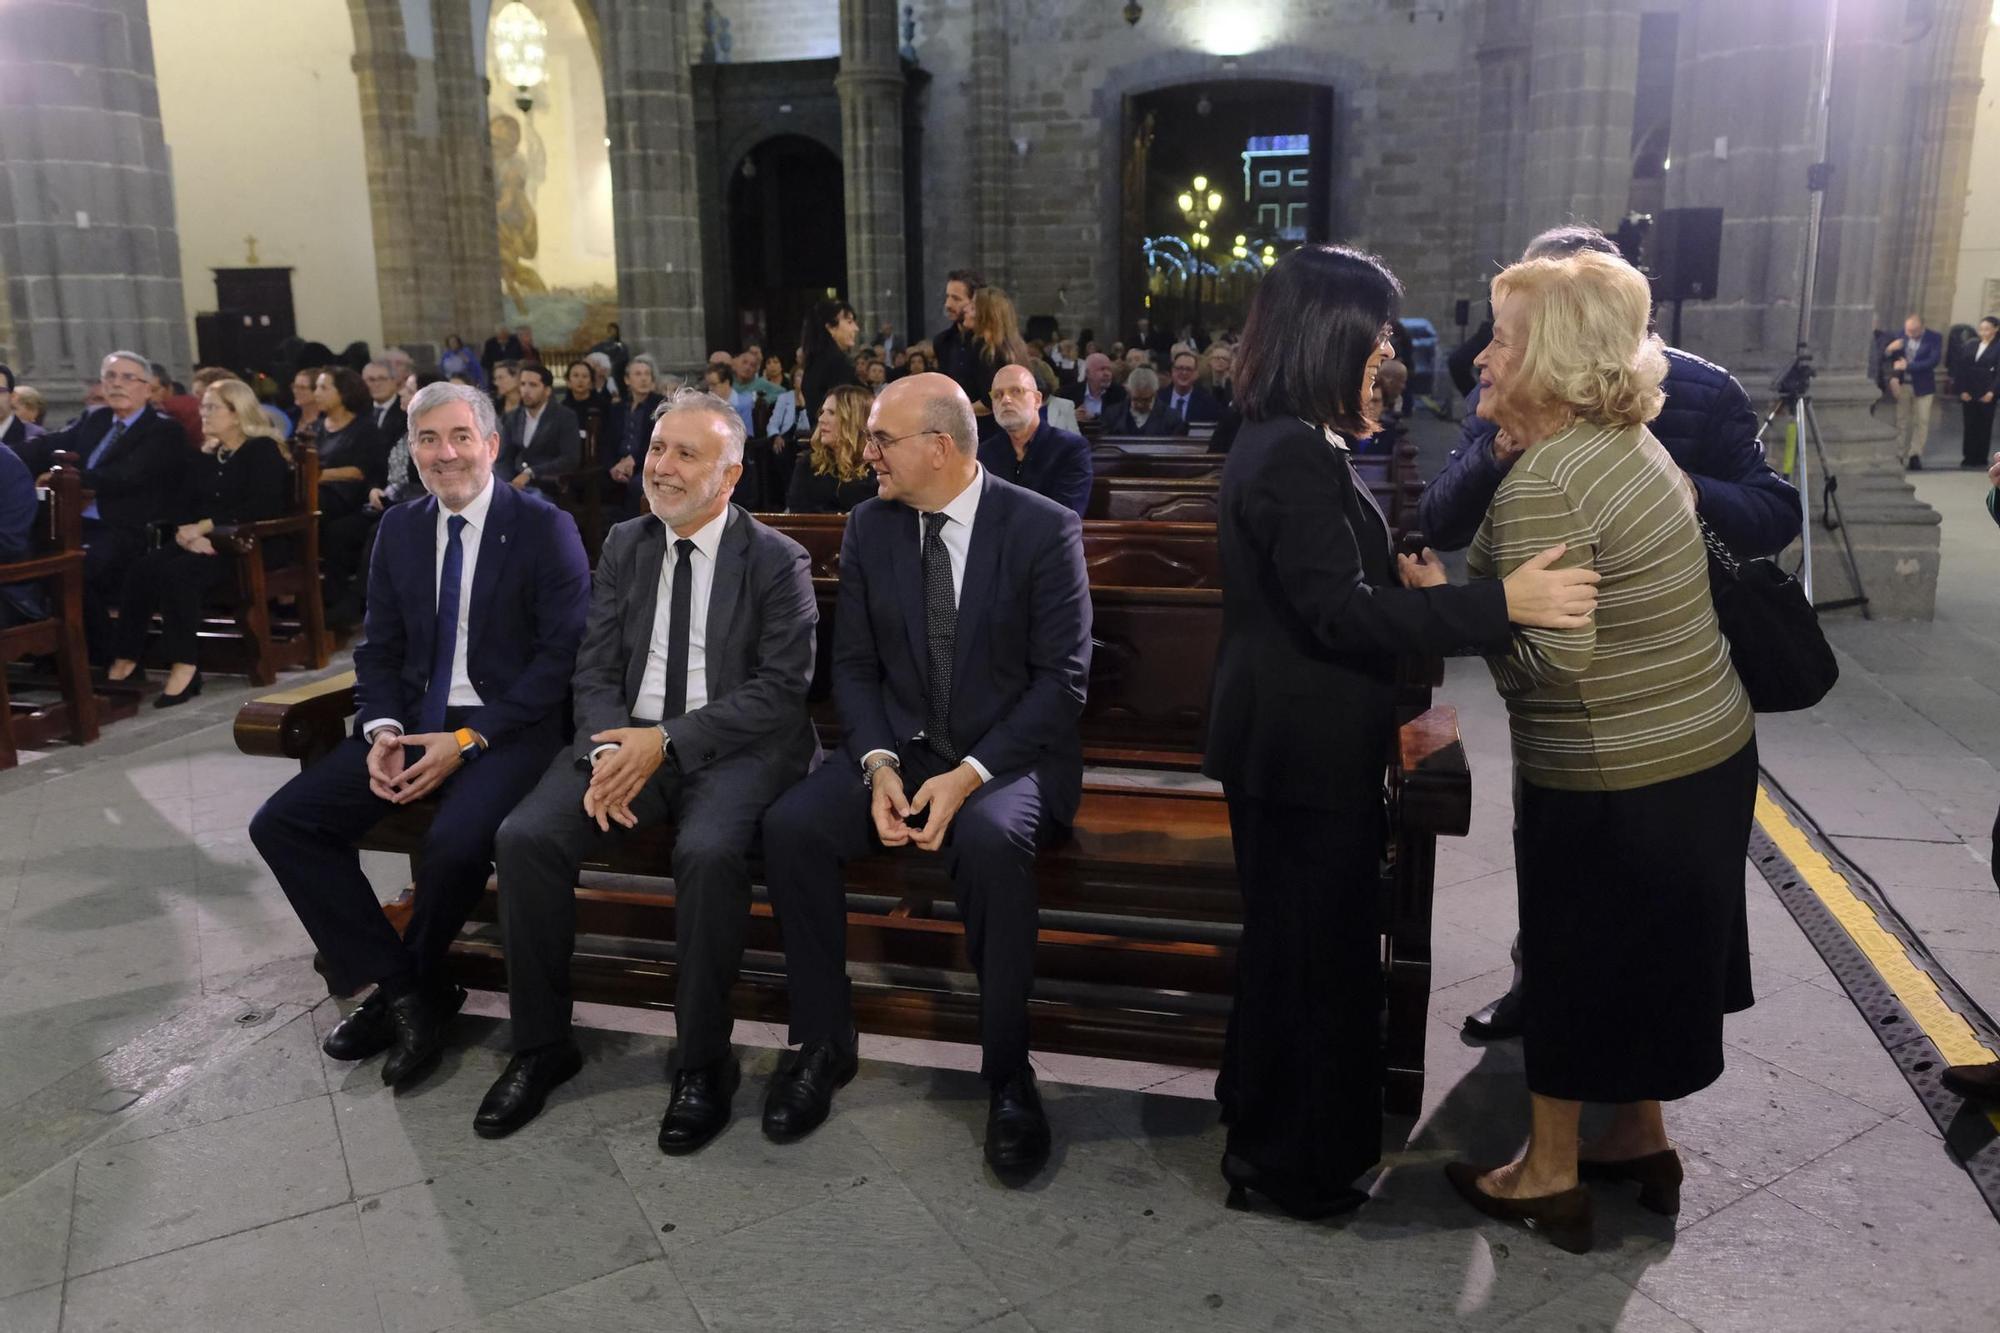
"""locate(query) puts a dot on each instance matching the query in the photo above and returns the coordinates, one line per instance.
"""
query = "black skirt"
(1634, 940)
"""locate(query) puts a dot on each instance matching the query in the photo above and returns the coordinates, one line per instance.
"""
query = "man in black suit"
(956, 356)
(1155, 342)
(19, 602)
(690, 703)
(1187, 399)
(384, 412)
(1142, 412)
(502, 346)
(476, 598)
(961, 656)
(1098, 392)
(134, 456)
(15, 431)
(1025, 449)
(540, 440)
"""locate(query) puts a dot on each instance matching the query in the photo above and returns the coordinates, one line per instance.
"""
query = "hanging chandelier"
(520, 51)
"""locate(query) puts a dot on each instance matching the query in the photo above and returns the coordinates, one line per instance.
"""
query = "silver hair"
(601, 360)
(381, 362)
(433, 396)
(143, 362)
(701, 400)
(1142, 378)
(645, 359)
(951, 414)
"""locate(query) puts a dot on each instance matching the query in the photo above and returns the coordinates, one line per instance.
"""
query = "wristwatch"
(469, 743)
(665, 740)
(877, 761)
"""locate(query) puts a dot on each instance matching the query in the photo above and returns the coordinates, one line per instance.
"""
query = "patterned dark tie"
(679, 614)
(941, 634)
(437, 694)
(111, 437)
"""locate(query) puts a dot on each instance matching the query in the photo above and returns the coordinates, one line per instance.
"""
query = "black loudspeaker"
(1686, 253)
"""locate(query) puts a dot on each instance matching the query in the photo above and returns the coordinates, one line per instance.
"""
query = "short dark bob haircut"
(816, 338)
(1317, 317)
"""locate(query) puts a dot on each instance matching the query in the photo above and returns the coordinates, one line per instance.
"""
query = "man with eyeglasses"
(961, 654)
(133, 458)
(1031, 452)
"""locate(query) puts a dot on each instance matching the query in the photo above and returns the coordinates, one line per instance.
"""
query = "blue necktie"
(111, 437)
(445, 646)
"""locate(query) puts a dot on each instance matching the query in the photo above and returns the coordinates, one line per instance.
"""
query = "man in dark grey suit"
(540, 440)
(690, 701)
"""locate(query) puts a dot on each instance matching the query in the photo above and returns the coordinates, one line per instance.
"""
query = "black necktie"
(678, 616)
(941, 633)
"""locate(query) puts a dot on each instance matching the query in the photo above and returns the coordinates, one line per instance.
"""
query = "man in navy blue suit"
(476, 602)
(1188, 400)
(1028, 451)
(961, 652)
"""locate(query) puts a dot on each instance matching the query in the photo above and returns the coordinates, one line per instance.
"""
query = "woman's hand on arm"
(1421, 571)
(1544, 598)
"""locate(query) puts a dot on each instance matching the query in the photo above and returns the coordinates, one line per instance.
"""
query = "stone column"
(1500, 108)
(992, 147)
(870, 84)
(1743, 139)
(89, 251)
(649, 114)
(1582, 82)
(472, 237)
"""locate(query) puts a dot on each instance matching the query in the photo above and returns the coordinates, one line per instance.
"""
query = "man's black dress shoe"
(518, 1095)
(1017, 1130)
(699, 1106)
(1979, 1083)
(366, 1031)
(1497, 1021)
(417, 1023)
(801, 1091)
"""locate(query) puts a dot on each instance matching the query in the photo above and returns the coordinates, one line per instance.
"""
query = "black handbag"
(1781, 655)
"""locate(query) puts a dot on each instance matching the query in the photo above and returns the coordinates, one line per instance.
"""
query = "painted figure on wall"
(518, 166)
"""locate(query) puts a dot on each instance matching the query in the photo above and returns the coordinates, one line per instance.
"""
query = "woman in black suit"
(827, 349)
(241, 476)
(1303, 717)
(831, 477)
(353, 455)
(1977, 377)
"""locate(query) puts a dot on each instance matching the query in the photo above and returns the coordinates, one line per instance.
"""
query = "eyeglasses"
(880, 443)
(125, 377)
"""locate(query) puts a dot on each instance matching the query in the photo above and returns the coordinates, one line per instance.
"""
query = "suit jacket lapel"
(982, 558)
(730, 558)
(424, 632)
(642, 604)
(906, 561)
(1367, 498)
(490, 571)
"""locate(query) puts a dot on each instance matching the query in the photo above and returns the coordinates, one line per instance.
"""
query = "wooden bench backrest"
(1120, 555)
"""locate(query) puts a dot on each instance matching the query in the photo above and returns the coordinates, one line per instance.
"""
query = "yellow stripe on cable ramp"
(1946, 1027)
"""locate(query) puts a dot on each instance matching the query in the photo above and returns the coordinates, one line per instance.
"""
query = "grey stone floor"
(175, 1152)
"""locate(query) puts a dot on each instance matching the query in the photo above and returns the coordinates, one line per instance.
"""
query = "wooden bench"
(56, 562)
(1139, 907)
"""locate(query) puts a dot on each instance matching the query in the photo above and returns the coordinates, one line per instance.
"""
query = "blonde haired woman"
(830, 477)
(995, 342)
(241, 477)
(1634, 748)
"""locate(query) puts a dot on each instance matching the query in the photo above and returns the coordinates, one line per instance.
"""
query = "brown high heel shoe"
(1658, 1176)
(1565, 1218)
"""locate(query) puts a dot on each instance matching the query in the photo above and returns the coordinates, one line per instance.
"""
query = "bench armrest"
(300, 724)
(1432, 780)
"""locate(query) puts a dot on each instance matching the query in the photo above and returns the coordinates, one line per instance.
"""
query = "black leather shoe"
(1497, 1021)
(699, 1106)
(1017, 1130)
(523, 1087)
(1979, 1083)
(1246, 1180)
(417, 1023)
(366, 1031)
(175, 700)
(802, 1090)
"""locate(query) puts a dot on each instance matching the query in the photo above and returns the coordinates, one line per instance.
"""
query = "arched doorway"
(787, 225)
(1263, 150)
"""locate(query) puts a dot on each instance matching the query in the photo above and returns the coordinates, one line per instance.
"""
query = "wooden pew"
(261, 646)
(56, 562)
(1122, 555)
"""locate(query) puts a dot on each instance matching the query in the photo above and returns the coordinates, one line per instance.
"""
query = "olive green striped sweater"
(1645, 693)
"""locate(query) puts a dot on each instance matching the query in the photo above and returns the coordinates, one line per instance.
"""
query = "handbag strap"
(1718, 550)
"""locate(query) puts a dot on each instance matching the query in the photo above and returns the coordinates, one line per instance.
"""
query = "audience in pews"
(15, 429)
(831, 476)
(20, 603)
(506, 386)
(690, 704)
(1303, 718)
(541, 440)
(952, 347)
(1098, 392)
(1186, 398)
(172, 398)
(1029, 451)
(642, 385)
(30, 407)
(961, 657)
(385, 412)
(1217, 371)
(353, 455)
(347, 543)
(502, 346)
(826, 349)
(457, 362)
(1141, 412)
(475, 609)
(993, 341)
(241, 475)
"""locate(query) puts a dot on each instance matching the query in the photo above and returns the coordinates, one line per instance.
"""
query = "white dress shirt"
(956, 535)
(652, 700)
(462, 695)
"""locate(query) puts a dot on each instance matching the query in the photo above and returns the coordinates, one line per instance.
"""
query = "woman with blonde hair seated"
(242, 476)
(1634, 749)
(830, 477)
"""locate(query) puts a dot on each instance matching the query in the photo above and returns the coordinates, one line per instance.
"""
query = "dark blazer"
(138, 480)
(1977, 377)
(827, 372)
(357, 444)
(1057, 464)
(19, 602)
(1313, 620)
(1161, 421)
(1113, 396)
(1201, 406)
(762, 632)
(530, 589)
(253, 484)
(394, 425)
(1920, 362)
(19, 431)
(812, 492)
(556, 448)
(1021, 663)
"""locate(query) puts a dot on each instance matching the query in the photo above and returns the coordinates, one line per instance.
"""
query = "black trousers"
(345, 544)
(175, 583)
(1978, 443)
(821, 824)
(306, 833)
(541, 845)
(109, 553)
(1301, 1080)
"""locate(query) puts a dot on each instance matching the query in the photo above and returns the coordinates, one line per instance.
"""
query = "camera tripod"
(1795, 400)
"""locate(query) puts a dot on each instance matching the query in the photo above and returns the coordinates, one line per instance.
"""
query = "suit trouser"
(108, 553)
(307, 833)
(821, 824)
(1978, 441)
(1913, 421)
(175, 583)
(544, 842)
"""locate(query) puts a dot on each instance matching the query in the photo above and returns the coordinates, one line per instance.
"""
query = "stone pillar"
(870, 84)
(1742, 139)
(1582, 83)
(992, 148)
(430, 177)
(88, 248)
(1499, 166)
(649, 114)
